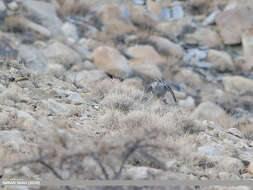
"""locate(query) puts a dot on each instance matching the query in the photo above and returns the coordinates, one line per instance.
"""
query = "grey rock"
(194, 55)
(22, 114)
(33, 58)
(111, 61)
(208, 111)
(174, 13)
(237, 84)
(75, 98)
(211, 18)
(209, 150)
(45, 12)
(56, 108)
(13, 136)
(139, 2)
(62, 54)
(70, 31)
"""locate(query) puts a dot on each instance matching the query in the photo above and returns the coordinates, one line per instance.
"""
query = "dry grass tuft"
(110, 120)
(124, 98)
(245, 127)
(103, 87)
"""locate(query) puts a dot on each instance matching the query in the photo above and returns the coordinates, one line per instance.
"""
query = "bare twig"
(95, 157)
(126, 155)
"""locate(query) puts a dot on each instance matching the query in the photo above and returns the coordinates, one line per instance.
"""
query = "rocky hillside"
(73, 98)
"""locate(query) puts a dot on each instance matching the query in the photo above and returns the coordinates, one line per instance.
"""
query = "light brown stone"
(208, 111)
(146, 53)
(147, 71)
(22, 23)
(189, 77)
(114, 22)
(111, 61)
(174, 27)
(140, 16)
(237, 84)
(154, 7)
(222, 61)
(232, 23)
(203, 37)
(167, 47)
(250, 168)
(60, 53)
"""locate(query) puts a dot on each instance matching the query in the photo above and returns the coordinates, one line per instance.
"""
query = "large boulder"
(146, 53)
(232, 23)
(208, 111)
(237, 84)
(111, 61)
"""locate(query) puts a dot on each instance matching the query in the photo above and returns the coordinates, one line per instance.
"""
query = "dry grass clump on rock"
(103, 87)
(246, 128)
(140, 137)
(114, 94)
(124, 98)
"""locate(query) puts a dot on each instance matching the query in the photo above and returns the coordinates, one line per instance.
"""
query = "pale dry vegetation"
(129, 135)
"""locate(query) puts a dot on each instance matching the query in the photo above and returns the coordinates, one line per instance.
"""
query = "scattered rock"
(84, 78)
(56, 108)
(71, 71)
(115, 21)
(75, 98)
(59, 53)
(209, 151)
(235, 131)
(140, 17)
(167, 47)
(55, 68)
(173, 13)
(13, 6)
(4, 118)
(45, 12)
(189, 77)
(145, 53)
(33, 58)
(12, 139)
(195, 55)
(141, 172)
(154, 7)
(188, 102)
(175, 28)
(221, 60)
(203, 37)
(232, 23)
(70, 31)
(237, 84)
(250, 167)
(208, 111)
(2, 6)
(8, 48)
(147, 71)
(19, 22)
(247, 42)
(139, 2)
(230, 164)
(111, 61)
(211, 18)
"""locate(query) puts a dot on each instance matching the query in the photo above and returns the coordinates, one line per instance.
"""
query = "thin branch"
(94, 156)
(157, 162)
(127, 154)
(50, 168)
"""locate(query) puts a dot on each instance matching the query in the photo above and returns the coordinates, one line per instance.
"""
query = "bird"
(159, 88)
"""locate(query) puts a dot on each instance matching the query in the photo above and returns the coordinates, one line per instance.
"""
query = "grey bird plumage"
(159, 89)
